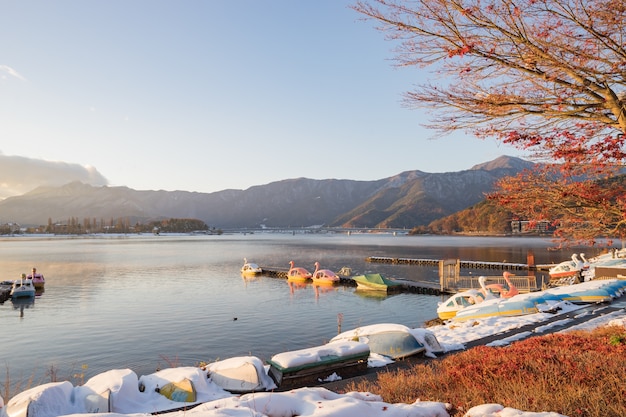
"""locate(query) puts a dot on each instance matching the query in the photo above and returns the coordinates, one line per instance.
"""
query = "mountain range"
(406, 200)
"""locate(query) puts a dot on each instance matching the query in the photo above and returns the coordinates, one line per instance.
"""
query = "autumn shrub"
(576, 374)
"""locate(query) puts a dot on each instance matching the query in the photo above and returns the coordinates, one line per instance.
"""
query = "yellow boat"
(181, 391)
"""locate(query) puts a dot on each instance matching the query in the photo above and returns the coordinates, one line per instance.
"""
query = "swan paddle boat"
(567, 269)
(297, 274)
(507, 290)
(519, 305)
(448, 309)
(250, 269)
(23, 288)
(324, 276)
(38, 279)
(595, 291)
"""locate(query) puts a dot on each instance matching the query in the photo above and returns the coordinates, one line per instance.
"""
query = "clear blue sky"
(215, 94)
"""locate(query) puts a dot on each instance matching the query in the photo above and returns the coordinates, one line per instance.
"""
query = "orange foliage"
(575, 374)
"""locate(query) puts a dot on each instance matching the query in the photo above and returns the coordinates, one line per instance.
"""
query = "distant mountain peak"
(504, 162)
(402, 178)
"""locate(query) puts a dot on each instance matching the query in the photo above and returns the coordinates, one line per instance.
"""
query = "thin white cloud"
(7, 69)
(20, 175)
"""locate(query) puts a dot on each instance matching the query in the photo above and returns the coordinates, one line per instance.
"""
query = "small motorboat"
(297, 274)
(38, 279)
(324, 276)
(23, 288)
(250, 269)
(375, 282)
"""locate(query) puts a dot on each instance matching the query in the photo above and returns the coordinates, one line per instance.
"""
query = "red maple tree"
(547, 76)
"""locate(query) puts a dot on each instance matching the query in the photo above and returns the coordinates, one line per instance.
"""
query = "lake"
(146, 302)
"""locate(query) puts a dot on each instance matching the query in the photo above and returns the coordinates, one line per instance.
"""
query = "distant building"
(531, 226)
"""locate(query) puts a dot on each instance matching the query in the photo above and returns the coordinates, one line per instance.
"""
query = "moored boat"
(297, 274)
(38, 279)
(375, 282)
(324, 276)
(250, 269)
(23, 288)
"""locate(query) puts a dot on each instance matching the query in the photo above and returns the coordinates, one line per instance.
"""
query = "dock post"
(449, 270)
(530, 259)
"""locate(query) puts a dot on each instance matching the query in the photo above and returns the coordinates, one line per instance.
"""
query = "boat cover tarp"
(378, 279)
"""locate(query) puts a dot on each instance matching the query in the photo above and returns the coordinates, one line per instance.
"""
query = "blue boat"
(596, 291)
(392, 340)
(23, 288)
(516, 306)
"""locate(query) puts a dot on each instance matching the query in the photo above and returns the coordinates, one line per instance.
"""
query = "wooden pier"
(463, 264)
(415, 287)
(450, 279)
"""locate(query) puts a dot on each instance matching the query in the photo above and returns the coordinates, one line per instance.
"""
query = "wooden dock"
(463, 264)
(415, 287)
(450, 280)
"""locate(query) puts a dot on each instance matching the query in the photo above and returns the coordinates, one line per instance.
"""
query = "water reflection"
(323, 289)
(373, 295)
(296, 286)
(22, 304)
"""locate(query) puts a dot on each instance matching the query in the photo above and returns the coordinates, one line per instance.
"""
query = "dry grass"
(13, 384)
(575, 374)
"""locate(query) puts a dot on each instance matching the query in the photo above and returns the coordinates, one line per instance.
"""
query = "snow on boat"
(375, 282)
(603, 263)
(567, 269)
(391, 340)
(115, 391)
(54, 399)
(250, 269)
(240, 375)
(595, 291)
(180, 391)
(456, 302)
(337, 359)
(519, 305)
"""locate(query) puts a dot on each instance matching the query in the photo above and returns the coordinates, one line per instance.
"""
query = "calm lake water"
(147, 302)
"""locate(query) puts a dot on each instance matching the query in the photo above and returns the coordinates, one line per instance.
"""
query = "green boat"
(375, 282)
